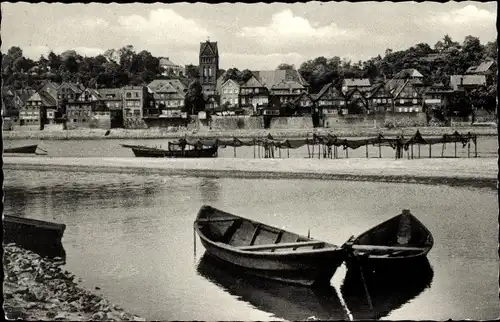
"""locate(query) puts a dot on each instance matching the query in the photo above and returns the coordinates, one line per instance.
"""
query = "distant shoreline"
(469, 172)
(157, 133)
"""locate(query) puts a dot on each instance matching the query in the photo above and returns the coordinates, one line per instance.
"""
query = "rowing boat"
(22, 149)
(267, 251)
(396, 243)
(40, 236)
(151, 152)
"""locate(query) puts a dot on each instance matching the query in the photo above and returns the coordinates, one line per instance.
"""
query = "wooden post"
(288, 152)
(308, 151)
(442, 150)
(379, 151)
(279, 152)
(366, 151)
(319, 151)
(468, 149)
(475, 145)
(430, 151)
(312, 155)
(347, 152)
(412, 151)
(455, 149)
(419, 150)
(235, 151)
(254, 150)
(258, 149)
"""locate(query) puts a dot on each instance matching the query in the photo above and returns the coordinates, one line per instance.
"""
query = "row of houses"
(270, 93)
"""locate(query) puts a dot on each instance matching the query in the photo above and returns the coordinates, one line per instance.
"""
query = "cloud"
(286, 28)
(164, 26)
(469, 15)
(94, 23)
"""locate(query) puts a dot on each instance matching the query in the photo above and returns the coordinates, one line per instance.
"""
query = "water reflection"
(282, 300)
(386, 293)
(210, 190)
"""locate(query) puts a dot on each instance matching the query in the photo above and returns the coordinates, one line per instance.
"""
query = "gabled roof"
(208, 48)
(24, 94)
(400, 88)
(376, 88)
(165, 61)
(288, 85)
(356, 82)
(409, 73)
(325, 89)
(270, 78)
(252, 82)
(158, 84)
(467, 80)
(77, 88)
(351, 92)
(44, 97)
(392, 84)
(481, 68)
(230, 81)
(301, 96)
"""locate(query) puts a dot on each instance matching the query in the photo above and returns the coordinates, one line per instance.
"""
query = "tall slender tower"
(208, 66)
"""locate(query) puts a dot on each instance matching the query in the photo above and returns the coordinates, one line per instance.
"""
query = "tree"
(192, 71)
(194, 102)
(285, 66)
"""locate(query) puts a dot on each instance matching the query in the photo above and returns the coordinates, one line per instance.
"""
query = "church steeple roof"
(209, 48)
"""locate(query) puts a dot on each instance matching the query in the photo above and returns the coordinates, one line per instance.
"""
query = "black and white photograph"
(307, 161)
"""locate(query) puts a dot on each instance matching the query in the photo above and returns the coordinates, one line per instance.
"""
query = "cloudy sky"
(253, 36)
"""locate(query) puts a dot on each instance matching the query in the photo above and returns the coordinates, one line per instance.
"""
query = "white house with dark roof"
(169, 68)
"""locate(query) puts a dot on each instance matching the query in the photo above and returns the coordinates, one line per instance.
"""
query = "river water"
(132, 236)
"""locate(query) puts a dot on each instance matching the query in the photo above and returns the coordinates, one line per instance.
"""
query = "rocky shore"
(36, 288)
(160, 133)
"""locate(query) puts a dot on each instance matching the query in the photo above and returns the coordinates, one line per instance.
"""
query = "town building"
(208, 66)
(356, 102)
(330, 100)
(348, 84)
(33, 114)
(135, 100)
(253, 95)
(169, 68)
(467, 82)
(379, 98)
(407, 98)
(229, 94)
(112, 98)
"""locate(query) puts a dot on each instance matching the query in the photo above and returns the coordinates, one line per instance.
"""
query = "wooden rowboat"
(150, 152)
(39, 236)
(22, 149)
(400, 241)
(267, 251)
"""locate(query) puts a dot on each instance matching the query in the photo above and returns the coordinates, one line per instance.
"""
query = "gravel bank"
(157, 133)
(478, 172)
(36, 288)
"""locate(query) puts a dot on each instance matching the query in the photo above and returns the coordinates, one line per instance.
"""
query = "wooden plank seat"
(387, 248)
(282, 245)
(203, 220)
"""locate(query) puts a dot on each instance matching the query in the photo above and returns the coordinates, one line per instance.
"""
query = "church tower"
(208, 66)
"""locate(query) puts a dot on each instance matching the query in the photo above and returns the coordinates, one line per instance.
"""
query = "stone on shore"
(37, 289)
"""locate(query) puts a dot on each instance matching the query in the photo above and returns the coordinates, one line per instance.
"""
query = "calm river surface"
(132, 236)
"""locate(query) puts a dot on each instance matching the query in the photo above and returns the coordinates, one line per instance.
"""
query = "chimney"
(461, 81)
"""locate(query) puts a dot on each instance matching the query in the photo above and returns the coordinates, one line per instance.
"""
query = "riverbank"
(36, 289)
(158, 133)
(476, 172)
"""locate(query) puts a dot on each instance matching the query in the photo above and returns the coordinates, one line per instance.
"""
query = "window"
(384, 100)
(74, 120)
(414, 101)
(84, 120)
(129, 95)
(414, 94)
(137, 112)
(406, 109)
(401, 101)
(136, 94)
(403, 94)
(137, 103)
(400, 109)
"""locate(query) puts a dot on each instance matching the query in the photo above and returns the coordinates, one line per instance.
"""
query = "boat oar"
(42, 150)
(194, 243)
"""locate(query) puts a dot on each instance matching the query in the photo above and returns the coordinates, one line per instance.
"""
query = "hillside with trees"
(126, 66)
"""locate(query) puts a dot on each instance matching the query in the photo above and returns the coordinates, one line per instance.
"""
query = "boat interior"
(402, 233)
(247, 235)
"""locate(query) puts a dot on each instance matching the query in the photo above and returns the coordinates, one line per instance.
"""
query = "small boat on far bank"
(22, 149)
(399, 242)
(266, 251)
